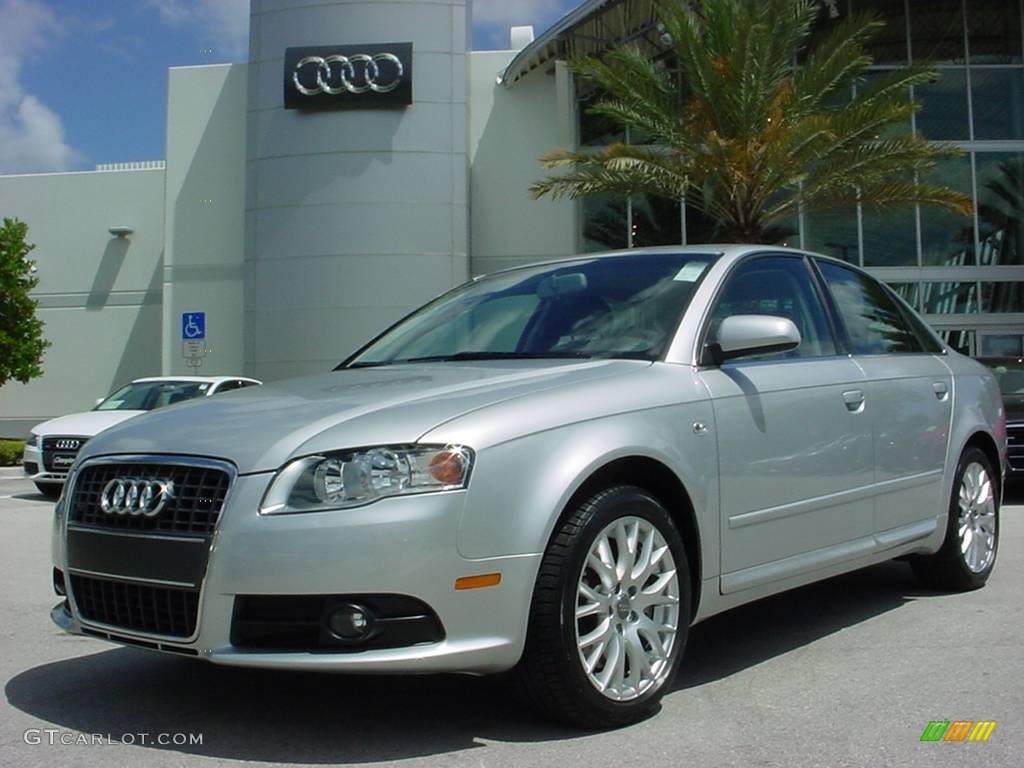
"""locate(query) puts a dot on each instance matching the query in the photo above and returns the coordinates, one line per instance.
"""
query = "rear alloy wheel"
(968, 553)
(610, 612)
(50, 490)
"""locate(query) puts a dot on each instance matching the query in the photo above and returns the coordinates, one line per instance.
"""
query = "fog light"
(350, 622)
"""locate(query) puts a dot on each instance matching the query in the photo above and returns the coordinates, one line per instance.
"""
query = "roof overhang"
(592, 28)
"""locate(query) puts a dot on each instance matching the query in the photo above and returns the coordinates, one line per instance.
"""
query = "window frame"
(927, 343)
(705, 351)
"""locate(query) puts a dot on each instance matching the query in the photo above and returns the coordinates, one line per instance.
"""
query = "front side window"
(874, 324)
(620, 306)
(780, 286)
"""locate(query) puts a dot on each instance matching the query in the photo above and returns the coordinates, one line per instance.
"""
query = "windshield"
(1009, 373)
(613, 306)
(145, 396)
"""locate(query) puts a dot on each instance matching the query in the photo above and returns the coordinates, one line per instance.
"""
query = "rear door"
(794, 441)
(909, 399)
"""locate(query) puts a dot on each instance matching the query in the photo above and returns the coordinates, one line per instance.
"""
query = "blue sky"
(85, 81)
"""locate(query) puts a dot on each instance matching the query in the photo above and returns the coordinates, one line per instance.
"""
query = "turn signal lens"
(476, 582)
(448, 467)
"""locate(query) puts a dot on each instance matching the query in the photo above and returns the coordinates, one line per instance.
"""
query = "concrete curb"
(11, 473)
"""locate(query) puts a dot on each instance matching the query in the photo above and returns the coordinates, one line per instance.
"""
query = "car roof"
(198, 379)
(727, 251)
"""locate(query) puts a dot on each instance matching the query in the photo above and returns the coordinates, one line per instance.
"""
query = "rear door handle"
(940, 389)
(854, 399)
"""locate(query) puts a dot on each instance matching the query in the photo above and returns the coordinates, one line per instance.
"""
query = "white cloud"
(223, 24)
(31, 134)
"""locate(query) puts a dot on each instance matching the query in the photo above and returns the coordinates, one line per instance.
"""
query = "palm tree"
(751, 139)
(1001, 215)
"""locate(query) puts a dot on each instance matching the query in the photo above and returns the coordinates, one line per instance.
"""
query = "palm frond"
(751, 138)
(836, 61)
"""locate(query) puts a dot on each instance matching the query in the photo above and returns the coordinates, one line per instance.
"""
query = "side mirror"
(744, 335)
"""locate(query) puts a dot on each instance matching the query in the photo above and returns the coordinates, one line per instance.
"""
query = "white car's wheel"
(50, 490)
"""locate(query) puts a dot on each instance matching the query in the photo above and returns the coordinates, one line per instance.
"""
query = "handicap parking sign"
(193, 325)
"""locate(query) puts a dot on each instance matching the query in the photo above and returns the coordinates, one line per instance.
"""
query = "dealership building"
(365, 159)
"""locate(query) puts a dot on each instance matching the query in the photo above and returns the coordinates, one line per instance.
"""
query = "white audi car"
(52, 446)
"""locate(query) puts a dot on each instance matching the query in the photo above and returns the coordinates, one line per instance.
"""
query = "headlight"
(32, 441)
(343, 479)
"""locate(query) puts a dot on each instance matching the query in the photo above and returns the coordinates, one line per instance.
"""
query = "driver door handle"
(854, 399)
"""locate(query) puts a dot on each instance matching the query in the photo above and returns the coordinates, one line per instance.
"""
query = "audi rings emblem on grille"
(68, 445)
(136, 497)
(357, 74)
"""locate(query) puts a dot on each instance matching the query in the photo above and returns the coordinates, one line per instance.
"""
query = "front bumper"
(32, 465)
(402, 546)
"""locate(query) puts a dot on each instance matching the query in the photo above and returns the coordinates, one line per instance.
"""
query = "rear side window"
(874, 324)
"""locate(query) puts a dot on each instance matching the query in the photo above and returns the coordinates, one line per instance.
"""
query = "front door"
(794, 437)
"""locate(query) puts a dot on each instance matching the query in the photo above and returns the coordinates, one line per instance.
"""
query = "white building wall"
(205, 214)
(353, 217)
(99, 295)
(509, 130)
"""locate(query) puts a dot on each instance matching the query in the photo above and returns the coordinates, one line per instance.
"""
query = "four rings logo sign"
(348, 76)
(68, 445)
(135, 497)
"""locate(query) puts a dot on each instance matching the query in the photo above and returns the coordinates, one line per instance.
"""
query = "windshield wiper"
(460, 356)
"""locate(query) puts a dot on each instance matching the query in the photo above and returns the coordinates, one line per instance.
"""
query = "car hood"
(87, 423)
(260, 428)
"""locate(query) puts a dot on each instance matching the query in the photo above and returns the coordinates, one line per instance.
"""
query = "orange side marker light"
(477, 582)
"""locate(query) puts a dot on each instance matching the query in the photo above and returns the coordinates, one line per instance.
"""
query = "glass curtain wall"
(966, 273)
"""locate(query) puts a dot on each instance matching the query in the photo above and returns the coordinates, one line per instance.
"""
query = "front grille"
(59, 451)
(194, 508)
(139, 607)
(1015, 445)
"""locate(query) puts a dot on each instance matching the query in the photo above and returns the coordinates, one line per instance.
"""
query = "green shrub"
(10, 452)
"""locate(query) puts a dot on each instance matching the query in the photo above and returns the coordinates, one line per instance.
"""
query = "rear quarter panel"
(977, 408)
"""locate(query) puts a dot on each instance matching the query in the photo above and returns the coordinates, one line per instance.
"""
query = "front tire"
(610, 612)
(968, 552)
(49, 490)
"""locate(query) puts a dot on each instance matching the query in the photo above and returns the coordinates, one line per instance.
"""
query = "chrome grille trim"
(196, 461)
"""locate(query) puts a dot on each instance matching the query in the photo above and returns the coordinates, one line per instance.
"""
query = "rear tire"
(50, 490)
(968, 552)
(610, 612)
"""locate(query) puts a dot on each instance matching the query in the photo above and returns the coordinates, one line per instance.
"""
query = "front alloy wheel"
(627, 609)
(610, 612)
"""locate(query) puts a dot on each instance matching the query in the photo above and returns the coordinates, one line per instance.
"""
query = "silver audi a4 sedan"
(556, 469)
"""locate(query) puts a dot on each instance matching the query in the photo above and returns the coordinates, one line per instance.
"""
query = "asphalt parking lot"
(844, 673)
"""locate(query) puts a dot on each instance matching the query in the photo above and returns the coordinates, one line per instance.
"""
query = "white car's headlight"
(32, 441)
(354, 478)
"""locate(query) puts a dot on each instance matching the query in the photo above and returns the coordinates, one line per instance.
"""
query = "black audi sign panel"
(377, 76)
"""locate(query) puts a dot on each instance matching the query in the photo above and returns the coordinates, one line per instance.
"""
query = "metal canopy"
(592, 28)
